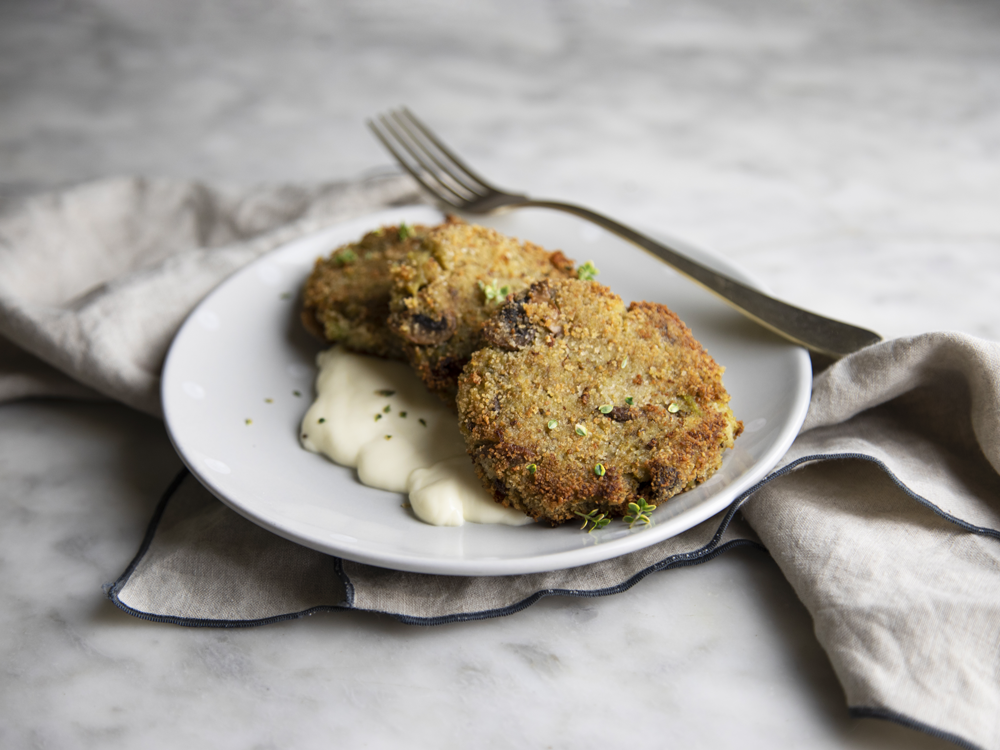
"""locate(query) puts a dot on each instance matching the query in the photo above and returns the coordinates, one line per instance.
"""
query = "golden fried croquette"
(446, 289)
(346, 298)
(576, 404)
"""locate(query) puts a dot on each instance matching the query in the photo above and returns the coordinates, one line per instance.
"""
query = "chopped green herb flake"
(402, 414)
(532, 468)
(387, 409)
(385, 392)
(388, 437)
(297, 394)
(599, 470)
(422, 421)
(404, 231)
(630, 401)
(625, 363)
(378, 417)
(673, 408)
(494, 294)
(691, 404)
(552, 424)
(248, 421)
(344, 257)
(587, 272)
(605, 408)
(321, 420)
(581, 430)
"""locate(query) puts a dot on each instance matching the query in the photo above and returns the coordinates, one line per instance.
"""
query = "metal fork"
(451, 181)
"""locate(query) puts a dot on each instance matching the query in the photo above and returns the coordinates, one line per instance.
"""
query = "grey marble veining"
(847, 153)
(699, 656)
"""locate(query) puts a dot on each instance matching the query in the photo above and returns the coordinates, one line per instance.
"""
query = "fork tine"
(436, 188)
(483, 185)
(444, 158)
(425, 156)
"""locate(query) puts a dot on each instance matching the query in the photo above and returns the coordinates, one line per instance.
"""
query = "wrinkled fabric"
(96, 280)
(883, 515)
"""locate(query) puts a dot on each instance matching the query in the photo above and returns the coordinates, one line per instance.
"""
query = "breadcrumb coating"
(576, 403)
(346, 297)
(447, 288)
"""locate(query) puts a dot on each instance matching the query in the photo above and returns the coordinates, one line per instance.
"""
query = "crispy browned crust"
(346, 298)
(441, 295)
(560, 351)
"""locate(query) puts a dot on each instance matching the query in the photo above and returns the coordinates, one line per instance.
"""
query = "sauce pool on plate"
(375, 415)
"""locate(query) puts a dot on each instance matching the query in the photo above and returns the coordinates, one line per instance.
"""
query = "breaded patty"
(577, 404)
(346, 298)
(445, 291)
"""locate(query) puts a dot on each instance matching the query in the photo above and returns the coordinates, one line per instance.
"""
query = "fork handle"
(824, 335)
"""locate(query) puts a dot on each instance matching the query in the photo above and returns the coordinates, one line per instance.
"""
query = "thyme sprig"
(593, 519)
(639, 513)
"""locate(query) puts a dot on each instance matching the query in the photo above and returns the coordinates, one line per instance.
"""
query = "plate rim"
(545, 562)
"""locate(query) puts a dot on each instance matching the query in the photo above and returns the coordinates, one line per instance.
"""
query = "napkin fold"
(884, 514)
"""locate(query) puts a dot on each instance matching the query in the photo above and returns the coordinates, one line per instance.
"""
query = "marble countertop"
(847, 154)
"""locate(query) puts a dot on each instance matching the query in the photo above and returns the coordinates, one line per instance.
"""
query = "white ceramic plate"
(239, 377)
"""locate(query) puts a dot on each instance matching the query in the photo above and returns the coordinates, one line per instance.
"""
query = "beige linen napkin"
(884, 515)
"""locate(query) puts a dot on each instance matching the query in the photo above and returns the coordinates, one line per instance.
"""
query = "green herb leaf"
(605, 408)
(639, 513)
(532, 468)
(494, 294)
(552, 424)
(404, 231)
(581, 430)
(385, 392)
(630, 401)
(587, 272)
(345, 256)
(593, 519)
(599, 470)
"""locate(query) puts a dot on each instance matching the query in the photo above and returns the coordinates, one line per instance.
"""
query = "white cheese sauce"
(376, 416)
